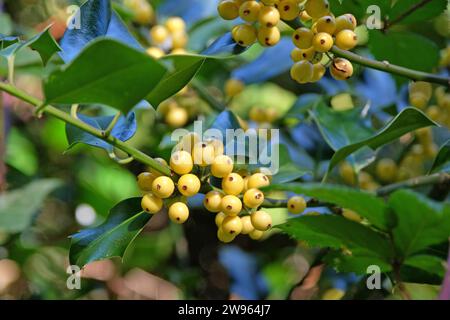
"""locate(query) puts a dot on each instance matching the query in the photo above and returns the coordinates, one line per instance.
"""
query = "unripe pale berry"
(247, 226)
(163, 187)
(181, 162)
(253, 198)
(151, 204)
(346, 40)
(189, 185)
(233, 87)
(233, 184)
(228, 9)
(261, 220)
(145, 180)
(178, 212)
(289, 9)
(318, 72)
(232, 225)
(224, 237)
(341, 69)
(155, 52)
(244, 35)
(231, 205)
(249, 11)
(317, 8)
(302, 71)
(175, 24)
(219, 219)
(302, 38)
(212, 201)
(322, 42)
(268, 37)
(177, 117)
(296, 205)
(218, 146)
(221, 166)
(326, 24)
(345, 22)
(159, 34)
(269, 16)
(258, 180)
(256, 234)
(386, 169)
(203, 154)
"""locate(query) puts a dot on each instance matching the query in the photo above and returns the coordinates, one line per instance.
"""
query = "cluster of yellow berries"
(261, 20)
(141, 10)
(420, 96)
(170, 37)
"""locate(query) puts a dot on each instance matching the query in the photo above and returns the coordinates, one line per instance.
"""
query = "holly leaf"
(111, 239)
(224, 45)
(442, 161)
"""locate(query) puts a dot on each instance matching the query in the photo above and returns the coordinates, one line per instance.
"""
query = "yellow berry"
(289, 9)
(418, 100)
(346, 40)
(175, 24)
(296, 205)
(189, 185)
(228, 9)
(151, 204)
(271, 115)
(257, 115)
(244, 35)
(163, 187)
(256, 234)
(189, 141)
(347, 173)
(247, 226)
(302, 38)
(179, 41)
(302, 71)
(178, 212)
(258, 180)
(253, 198)
(203, 154)
(317, 8)
(326, 24)
(351, 215)
(333, 294)
(233, 184)
(163, 163)
(322, 42)
(233, 87)
(269, 16)
(318, 72)
(261, 220)
(304, 16)
(224, 237)
(341, 69)
(308, 54)
(218, 146)
(212, 201)
(345, 22)
(232, 225)
(231, 205)
(270, 2)
(422, 87)
(159, 34)
(268, 37)
(219, 219)
(386, 170)
(181, 162)
(155, 52)
(221, 166)
(249, 11)
(177, 117)
(145, 180)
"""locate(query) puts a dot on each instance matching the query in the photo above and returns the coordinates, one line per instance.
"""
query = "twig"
(133, 152)
(405, 14)
(111, 126)
(414, 182)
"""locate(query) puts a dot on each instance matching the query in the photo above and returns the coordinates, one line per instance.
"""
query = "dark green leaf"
(106, 72)
(442, 161)
(337, 232)
(420, 222)
(359, 264)
(365, 204)
(123, 130)
(303, 105)
(428, 263)
(430, 10)
(17, 207)
(288, 170)
(111, 239)
(408, 120)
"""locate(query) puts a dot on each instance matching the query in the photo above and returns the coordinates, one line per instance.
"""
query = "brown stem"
(400, 285)
(405, 14)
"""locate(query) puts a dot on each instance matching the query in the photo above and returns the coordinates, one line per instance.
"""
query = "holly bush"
(136, 134)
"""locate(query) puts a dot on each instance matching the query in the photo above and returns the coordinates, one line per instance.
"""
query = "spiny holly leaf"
(365, 204)
(429, 10)
(442, 161)
(337, 232)
(111, 239)
(17, 207)
(182, 69)
(106, 72)
(95, 19)
(6, 41)
(43, 43)
(123, 130)
(408, 120)
(420, 222)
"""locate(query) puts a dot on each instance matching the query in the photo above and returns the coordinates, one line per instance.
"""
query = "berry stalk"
(133, 152)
